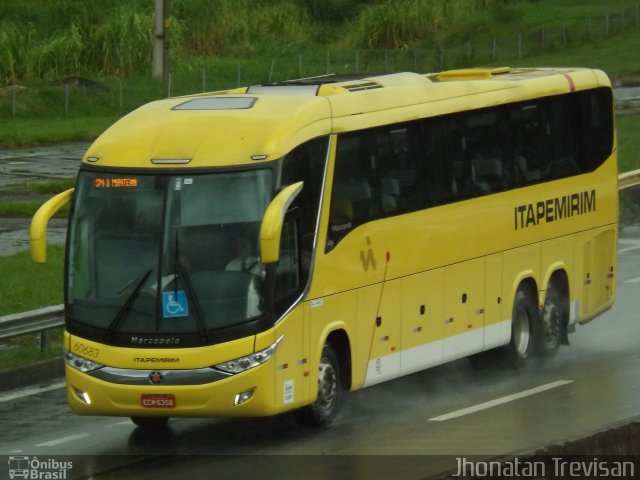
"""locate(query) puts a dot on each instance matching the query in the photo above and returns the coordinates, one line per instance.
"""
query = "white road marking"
(634, 245)
(27, 392)
(500, 401)
(633, 280)
(127, 422)
(59, 441)
(628, 249)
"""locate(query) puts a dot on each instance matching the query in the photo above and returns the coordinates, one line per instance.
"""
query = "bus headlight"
(80, 363)
(245, 363)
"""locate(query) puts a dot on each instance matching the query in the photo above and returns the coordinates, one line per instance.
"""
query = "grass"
(31, 286)
(20, 131)
(26, 208)
(225, 43)
(47, 186)
(26, 350)
(628, 127)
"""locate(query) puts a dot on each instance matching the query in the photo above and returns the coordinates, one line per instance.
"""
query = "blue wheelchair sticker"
(174, 306)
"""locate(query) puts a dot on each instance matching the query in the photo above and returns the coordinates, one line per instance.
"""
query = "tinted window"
(410, 166)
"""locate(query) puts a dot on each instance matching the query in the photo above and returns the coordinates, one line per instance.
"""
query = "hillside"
(69, 68)
(40, 39)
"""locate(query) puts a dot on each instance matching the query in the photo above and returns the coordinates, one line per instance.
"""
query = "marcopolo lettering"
(155, 341)
(553, 209)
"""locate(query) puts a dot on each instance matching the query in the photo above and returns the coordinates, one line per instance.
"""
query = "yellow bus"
(268, 248)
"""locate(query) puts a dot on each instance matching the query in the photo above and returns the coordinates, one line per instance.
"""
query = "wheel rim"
(551, 325)
(327, 386)
(521, 332)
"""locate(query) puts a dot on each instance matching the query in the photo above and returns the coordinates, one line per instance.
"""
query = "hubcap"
(521, 333)
(327, 386)
(551, 325)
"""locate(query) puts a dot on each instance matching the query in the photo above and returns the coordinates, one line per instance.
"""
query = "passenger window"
(287, 282)
(352, 197)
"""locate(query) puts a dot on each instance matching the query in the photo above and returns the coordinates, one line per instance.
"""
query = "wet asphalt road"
(28, 165)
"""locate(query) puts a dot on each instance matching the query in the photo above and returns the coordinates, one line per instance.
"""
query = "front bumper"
(89, 395)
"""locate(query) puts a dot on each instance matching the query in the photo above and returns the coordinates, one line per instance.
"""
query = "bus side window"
(306, 163)
(288, 280)
(351, 199)
(597, 117)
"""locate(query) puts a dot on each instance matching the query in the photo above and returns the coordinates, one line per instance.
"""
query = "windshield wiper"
(180, 272)
(126, 306)
(183, 275)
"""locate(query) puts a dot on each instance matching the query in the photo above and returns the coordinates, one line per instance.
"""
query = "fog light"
(243, 397)
(84, 396)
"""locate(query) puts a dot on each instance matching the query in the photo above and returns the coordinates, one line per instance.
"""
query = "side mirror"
(271, 228)
(39, 224)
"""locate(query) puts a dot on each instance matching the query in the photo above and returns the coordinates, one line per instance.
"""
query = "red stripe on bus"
(572, 86)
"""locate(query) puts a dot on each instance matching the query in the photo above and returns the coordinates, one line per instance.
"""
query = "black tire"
(524, 349)
(151, 423)
(323, 411)
(552, 322)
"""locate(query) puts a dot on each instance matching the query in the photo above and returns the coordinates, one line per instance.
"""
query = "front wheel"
(151, 423)
(323, 411)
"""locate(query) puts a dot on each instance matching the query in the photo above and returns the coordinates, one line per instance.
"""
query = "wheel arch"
(336, 335)
(527, 281)
(339, 341)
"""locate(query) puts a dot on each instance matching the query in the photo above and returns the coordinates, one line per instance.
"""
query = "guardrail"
(35, 321)
(628, 179)
(44, 319)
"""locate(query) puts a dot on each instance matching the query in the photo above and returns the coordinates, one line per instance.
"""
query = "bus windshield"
(166, 254)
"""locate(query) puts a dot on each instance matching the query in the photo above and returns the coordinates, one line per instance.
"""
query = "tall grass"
(210, 27)
(59, 56)
(399, 23)
(121, 45)
(206, 27)
(16, 40)
(52, 40)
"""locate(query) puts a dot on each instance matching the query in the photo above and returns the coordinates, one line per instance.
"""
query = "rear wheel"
(323, 411)
(151, 423)
(551, 317)
(526, 335)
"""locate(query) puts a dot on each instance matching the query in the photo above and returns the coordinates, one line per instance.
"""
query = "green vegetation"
(628, 127)
(31, 285)
(26, 350)
(27, 208)
(45, 187)
(68, 69)
(43, 130)
(52, 41)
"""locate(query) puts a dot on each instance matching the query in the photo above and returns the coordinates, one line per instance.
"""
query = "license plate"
(158, 400)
